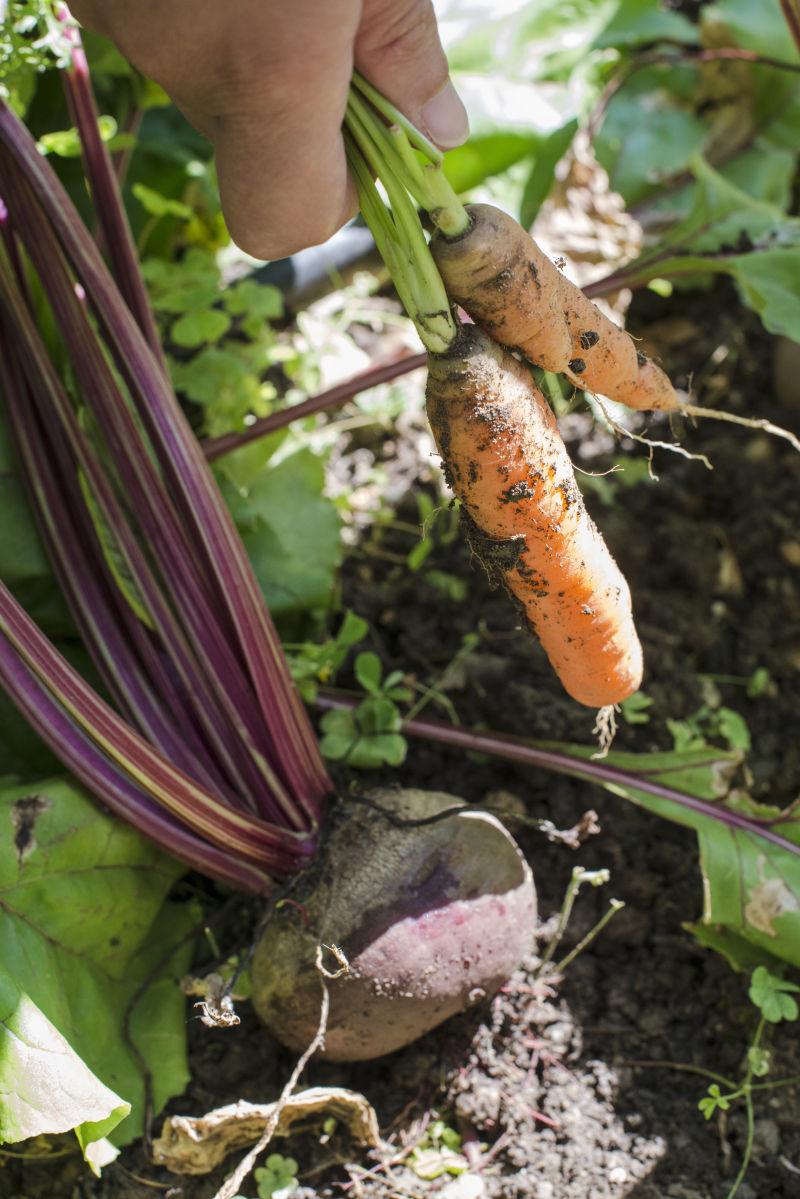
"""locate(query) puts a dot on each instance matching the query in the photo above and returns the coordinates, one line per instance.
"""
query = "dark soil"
(565, 1087)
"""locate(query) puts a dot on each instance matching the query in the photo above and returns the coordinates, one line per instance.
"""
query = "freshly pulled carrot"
(505, 460)
(509, 287)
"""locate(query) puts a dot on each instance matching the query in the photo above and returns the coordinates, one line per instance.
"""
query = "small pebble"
(767, 1135)
(618, 1175)
(466, 1186)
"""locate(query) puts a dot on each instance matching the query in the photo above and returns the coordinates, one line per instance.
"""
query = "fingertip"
(444, 118)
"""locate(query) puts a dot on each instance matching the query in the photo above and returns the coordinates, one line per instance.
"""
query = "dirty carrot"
(526, 520)
(508, 285)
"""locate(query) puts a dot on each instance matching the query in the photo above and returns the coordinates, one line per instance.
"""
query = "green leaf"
(369, 671)
(367, 737)
(417, 556)
(540, 180)
(730, 232)
(771, 995)
(186, 296)
(561, 34)
(634, 708)
(291, 533)
(769, 283)
(252, 299)
(739, 954)
(198, 327)
(218, 378)
(157, 205)
(760, 27)
(713, 1100)
(650, 132)
(46, 1086)
(451, 586)
(245, 465)
(352, 630)
(65, 143)
(83, 923)
(759, 1061)
(751, 885)
(733, 729)
(314, 663)
(277, 1178)
(339, 733)
(482, 157)
(638, 21)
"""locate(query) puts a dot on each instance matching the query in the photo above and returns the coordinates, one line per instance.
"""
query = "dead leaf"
(585, 222)
(769, 899)
(24, 815)
(197, 1144)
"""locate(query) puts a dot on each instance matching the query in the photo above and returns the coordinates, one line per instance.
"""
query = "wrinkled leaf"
(198, 1144)
(83, 923)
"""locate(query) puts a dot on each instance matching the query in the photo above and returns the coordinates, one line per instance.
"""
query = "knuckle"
(400, 32)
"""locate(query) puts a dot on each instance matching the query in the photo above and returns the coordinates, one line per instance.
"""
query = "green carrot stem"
(426, 181)
(400, 239)
(392, 154)
(395, 117)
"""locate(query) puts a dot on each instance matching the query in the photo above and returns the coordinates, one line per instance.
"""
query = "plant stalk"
(528, 753)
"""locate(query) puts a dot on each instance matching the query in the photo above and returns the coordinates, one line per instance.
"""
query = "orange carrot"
(509, 287)
(505, 460)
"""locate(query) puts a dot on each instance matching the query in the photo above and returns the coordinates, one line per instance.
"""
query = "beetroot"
(431, 919)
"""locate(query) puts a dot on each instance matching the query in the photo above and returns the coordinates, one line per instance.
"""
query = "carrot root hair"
(749, 422)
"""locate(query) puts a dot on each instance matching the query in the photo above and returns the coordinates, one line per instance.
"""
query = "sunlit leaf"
(82, 925)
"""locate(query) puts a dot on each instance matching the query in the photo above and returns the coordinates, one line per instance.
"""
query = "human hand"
(266, 81)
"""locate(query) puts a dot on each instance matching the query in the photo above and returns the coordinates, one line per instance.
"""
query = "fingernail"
(445, 118)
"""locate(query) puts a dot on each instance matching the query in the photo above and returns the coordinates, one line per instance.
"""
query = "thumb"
(398, 50)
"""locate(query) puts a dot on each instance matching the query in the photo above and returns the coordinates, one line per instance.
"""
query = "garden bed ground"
(564, 1087)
